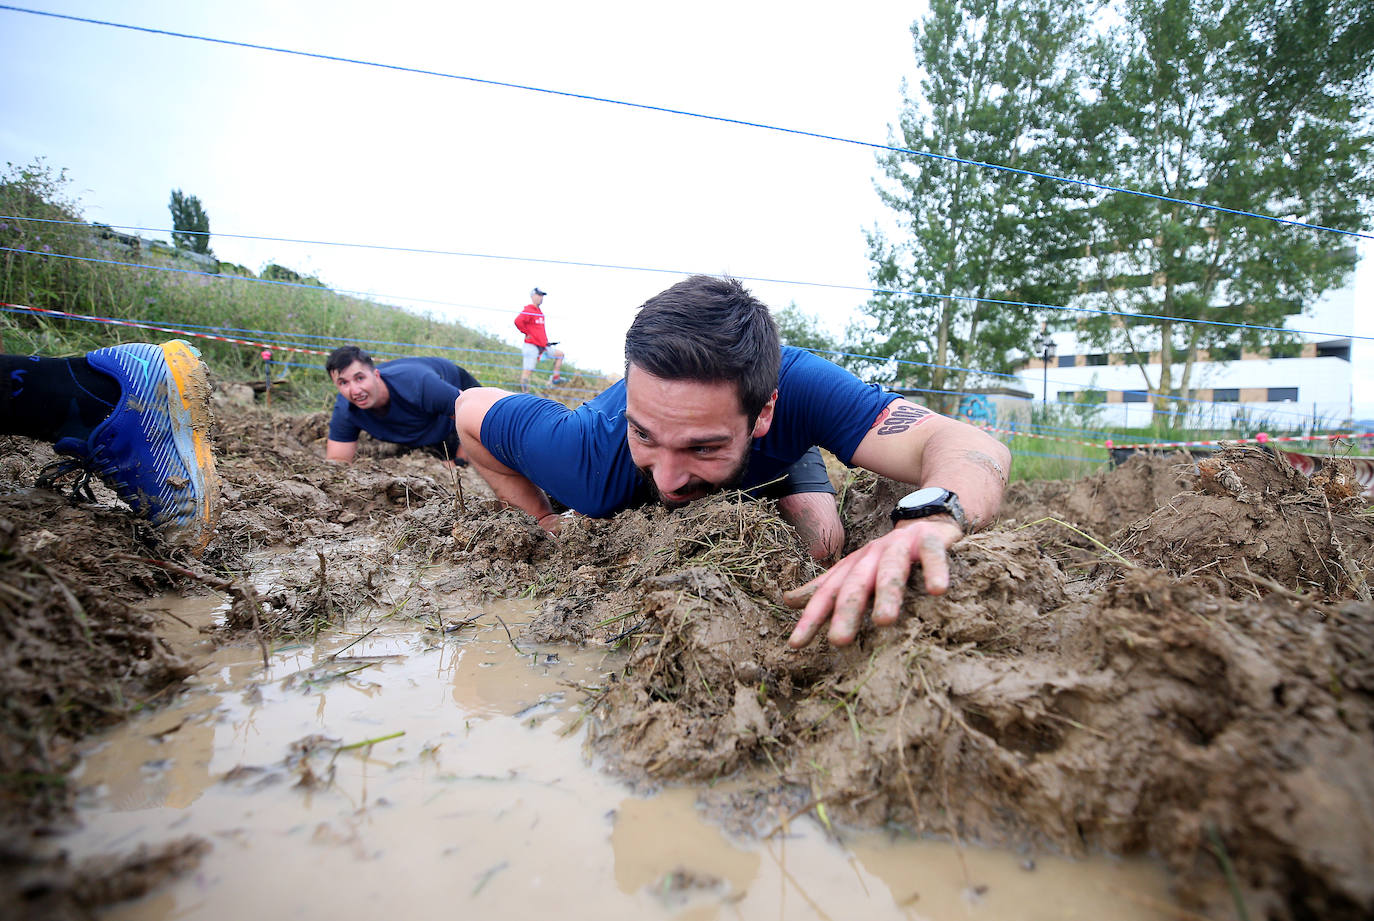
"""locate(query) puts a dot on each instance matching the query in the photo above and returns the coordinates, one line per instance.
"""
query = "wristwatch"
(932, 500)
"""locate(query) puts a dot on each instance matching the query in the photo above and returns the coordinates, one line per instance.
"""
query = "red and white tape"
(163, 329)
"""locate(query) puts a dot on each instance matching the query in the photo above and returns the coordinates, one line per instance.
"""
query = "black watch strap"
(932, 500)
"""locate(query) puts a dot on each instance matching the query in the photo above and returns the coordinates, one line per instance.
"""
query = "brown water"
(475, 800)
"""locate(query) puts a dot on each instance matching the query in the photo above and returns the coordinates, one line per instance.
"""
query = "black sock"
(52, 398)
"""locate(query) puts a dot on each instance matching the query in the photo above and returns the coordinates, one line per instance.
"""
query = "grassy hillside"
(51, 265)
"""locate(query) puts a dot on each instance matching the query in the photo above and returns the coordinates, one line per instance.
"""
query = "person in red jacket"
(530, 321)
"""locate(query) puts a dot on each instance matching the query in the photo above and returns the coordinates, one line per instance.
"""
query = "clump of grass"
(34, 273)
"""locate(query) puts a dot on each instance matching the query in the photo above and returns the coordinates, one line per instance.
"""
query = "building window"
(1224, 353)
(1096, 358)
(1286, 350)
(1339, 350)
(1226, 395)
(1283, 394)
(1135, 396)
(1066, 361)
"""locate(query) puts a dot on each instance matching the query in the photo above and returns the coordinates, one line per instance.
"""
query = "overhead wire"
(898, 361)
(866, 289)
(365, 295)
(753, 278)
(587, 97)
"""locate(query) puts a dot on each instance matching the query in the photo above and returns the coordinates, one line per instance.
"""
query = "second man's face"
(361, 385)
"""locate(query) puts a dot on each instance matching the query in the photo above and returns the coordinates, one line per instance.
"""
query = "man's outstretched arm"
(469, 410)
(341, 452)
(915, 445)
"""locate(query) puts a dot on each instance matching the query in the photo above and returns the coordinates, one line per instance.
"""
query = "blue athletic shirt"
(581, 458)
(420, 411)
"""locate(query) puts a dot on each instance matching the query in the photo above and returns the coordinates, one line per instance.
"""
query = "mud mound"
(319, 500)
(1101, 503)
(78, 648)
(711, 680)
(866, 501)
(1150, 716)
(696, 700)
(1146, 710)
(597, 570)
(278, 489)
(53, 889)
(75, 653)
(1255, 525)
(1143, 726)
(252, 429)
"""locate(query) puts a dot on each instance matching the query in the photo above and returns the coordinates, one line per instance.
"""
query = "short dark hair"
(708, 329)
(344, 356)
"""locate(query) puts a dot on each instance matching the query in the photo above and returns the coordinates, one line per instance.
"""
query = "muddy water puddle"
(387, 771)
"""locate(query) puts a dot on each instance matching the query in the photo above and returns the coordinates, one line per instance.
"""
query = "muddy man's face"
(362, 386)
(688, 438)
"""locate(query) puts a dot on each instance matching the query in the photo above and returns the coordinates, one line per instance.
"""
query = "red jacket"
(530, 321)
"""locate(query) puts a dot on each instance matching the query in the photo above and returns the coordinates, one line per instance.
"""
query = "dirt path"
(1151, 660)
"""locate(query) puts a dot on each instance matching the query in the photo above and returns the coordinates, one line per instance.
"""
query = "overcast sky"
(284, 146)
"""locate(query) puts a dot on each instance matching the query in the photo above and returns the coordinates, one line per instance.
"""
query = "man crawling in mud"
(406, 401)
(711, 401)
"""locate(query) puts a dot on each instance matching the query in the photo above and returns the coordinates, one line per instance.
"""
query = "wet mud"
(1167, 658)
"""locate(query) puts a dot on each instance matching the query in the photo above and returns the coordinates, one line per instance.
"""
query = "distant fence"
(1307, 464)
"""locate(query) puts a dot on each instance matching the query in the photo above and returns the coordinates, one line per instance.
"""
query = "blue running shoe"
(154, 447)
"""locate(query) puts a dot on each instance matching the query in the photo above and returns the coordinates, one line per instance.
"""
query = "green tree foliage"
(108, 278)
(1304, 49)
(1243, 104)
(804, 331)
(46, 226)
(190, 223)
(274, 272)
(999, 86)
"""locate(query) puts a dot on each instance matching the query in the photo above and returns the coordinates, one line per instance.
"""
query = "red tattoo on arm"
(893, 421)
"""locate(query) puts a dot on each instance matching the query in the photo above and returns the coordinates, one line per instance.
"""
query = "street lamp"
(1046, 346)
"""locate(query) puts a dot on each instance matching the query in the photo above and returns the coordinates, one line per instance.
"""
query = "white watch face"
(921, 497)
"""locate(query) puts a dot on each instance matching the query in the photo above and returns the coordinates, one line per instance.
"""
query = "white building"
(1309, 386)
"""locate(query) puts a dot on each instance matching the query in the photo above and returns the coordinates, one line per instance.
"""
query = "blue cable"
(670, 111)
(780, 281)
(180, 326)
(1152, 411)
(1071, 403)
(1064, 383)
(636, 268)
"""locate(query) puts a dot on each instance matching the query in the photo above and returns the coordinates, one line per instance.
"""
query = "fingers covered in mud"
(874, 576)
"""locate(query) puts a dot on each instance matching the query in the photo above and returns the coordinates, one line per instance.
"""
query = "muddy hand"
(877, 574)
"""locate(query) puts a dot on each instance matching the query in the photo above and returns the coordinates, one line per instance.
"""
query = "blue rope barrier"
(283, 342)
(1034, 305)
(1063, 383)
(1072, 404)
(586, 97)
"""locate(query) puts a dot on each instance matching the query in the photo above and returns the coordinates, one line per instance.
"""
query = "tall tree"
(190, 223)
(1248, 105)
(803, 330)
(999, 86)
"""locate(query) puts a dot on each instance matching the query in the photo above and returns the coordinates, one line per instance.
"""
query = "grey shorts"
(529, 356)
(808, 474)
